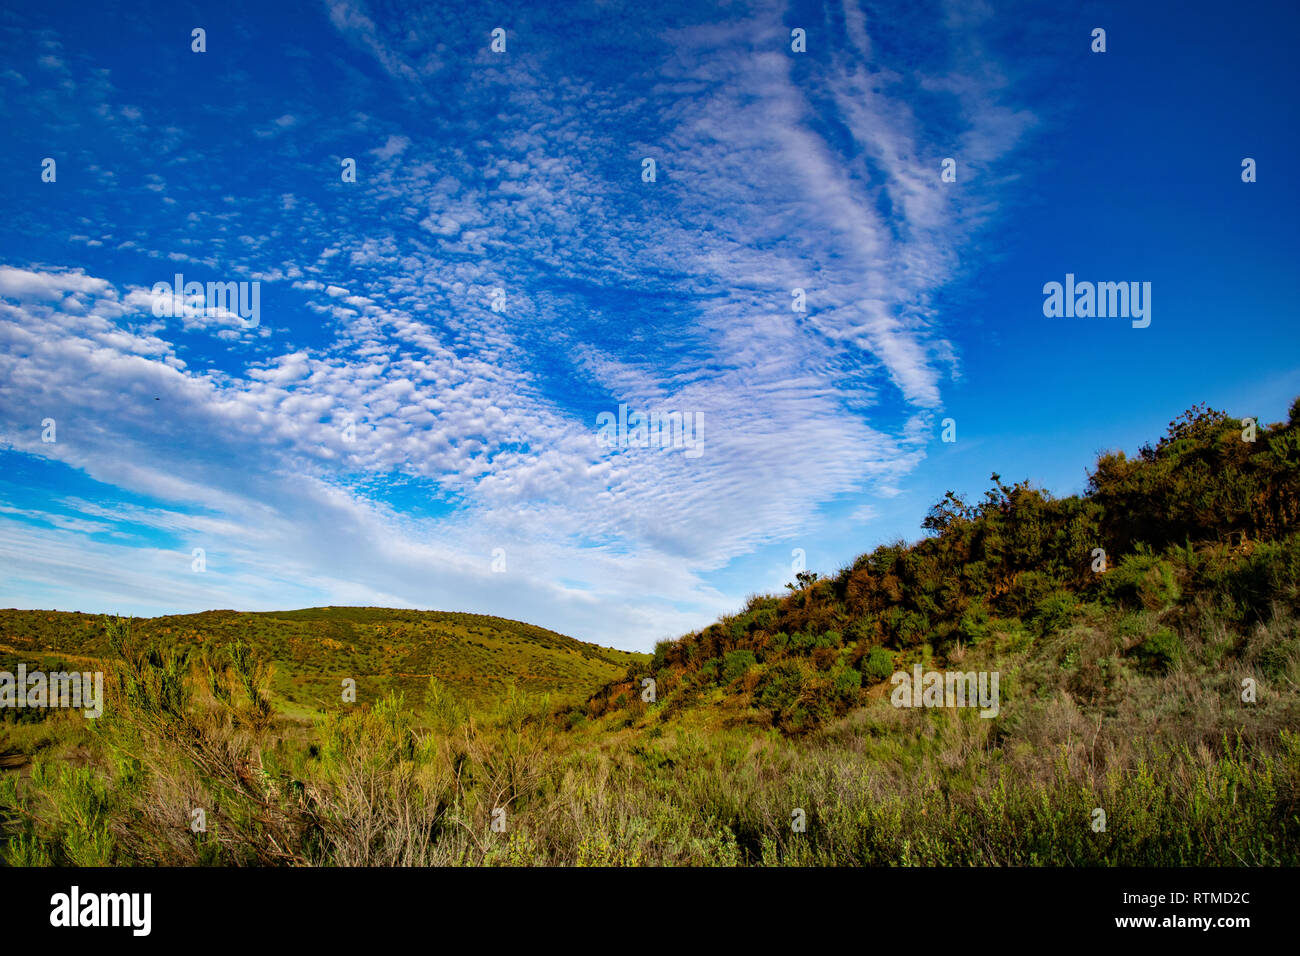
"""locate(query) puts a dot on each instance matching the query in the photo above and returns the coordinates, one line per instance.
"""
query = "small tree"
(804, 579)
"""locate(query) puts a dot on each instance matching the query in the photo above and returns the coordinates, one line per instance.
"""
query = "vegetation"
(1201, 530)
(384, 650)
(1146, 634)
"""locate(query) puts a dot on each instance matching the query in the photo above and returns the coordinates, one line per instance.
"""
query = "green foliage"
(736, 663)
(908, 628)
(1201, 482)
(974, 625)
(1159, 651)
(806, 643)
(845, 683)
(780, 687)
(79, 808)
(1253, 582)
(1144, 579)
(1171, 521)
(1054, 612)
(878, 665)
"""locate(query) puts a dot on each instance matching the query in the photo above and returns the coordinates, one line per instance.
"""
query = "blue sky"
(471, 477)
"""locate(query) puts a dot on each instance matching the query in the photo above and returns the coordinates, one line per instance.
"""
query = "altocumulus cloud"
(385, 429)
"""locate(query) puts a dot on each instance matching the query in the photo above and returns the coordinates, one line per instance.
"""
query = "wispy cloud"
(387, 428)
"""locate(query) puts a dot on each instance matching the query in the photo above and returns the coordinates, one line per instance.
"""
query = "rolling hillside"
(313, 649)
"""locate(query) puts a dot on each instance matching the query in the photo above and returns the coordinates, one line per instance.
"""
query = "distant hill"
(383, 649)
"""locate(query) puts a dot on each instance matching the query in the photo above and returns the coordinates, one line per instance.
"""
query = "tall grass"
(394, 784)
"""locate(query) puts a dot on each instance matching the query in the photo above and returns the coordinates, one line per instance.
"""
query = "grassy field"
(1184, 771)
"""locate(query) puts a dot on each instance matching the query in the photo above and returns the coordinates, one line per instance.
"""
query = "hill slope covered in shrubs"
(1201, 530)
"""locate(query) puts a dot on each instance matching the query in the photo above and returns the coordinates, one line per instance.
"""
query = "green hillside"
(1183, 559)
(313, 649)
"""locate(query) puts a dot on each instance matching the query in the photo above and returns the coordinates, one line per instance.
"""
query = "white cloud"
(473, 429)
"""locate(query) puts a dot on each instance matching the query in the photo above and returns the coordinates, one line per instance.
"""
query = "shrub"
(1142, 578)
(736, 663)
(1031, 588)
(779, 688)
(863, 629)
(1276, 659)
(845, 683)
(1159, 651)
(973, 626)
(908, 628)
(660, 659)
(879, 664)
(807, 643)
(1134, 624)
(1054, 612)
(1270, 573)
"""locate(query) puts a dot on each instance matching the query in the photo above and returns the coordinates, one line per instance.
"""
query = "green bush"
(908, 628)
(1134, 625)
(1275, 660)
(1031, 588)
(736, 663)
(1054, 612)
(863, 629)
(1271, 573)
(808, 643)
(845, 683)
(973, 626)
(1159, 651)
(780, 687)
(1142, 578)
(878, 664)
